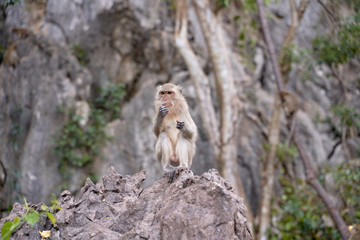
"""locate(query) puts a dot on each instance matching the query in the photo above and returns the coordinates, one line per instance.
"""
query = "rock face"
(192, 207)
(131, 42)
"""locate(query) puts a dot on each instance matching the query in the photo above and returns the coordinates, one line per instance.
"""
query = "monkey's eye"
(170, 92)
(162, 92)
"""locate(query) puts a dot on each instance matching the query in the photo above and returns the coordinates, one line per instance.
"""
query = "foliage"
(109, 100)
(222, 3)
(348, 115)
(80, 53)
(248, 30)
(94, 178)
(289, 55)
(250, 5)
(347, 182)
(306, 64)
(339, 49)
(78, 145)
(285, 152)
(299, 214)
(31, 217)
(10, 3)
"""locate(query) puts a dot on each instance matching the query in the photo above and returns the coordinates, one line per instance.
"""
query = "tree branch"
(310, 176)
(270, 45)
(197, 75)
(225, 143)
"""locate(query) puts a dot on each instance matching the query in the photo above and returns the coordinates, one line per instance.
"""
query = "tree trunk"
(274, 132)
(310, 176)
(222, 136)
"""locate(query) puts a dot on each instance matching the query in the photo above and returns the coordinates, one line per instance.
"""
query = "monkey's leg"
(164, 151)
(183, 148)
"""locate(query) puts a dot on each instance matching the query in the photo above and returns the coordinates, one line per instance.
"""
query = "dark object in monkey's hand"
(163, 111)
(180, 125)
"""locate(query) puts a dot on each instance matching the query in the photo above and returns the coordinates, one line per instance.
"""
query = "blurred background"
(78, 80)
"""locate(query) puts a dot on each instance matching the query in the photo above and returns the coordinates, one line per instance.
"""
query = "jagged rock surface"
(192, 207)
(131, 42)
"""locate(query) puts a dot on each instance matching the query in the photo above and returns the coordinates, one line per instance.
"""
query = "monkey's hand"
(180, 125)
(163, 111)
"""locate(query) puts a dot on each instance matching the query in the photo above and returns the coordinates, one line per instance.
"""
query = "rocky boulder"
(192, 207)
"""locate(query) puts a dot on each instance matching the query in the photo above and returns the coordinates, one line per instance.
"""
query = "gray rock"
(192, 207)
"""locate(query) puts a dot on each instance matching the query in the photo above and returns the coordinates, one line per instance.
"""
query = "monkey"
(174, 129)
(291, 102)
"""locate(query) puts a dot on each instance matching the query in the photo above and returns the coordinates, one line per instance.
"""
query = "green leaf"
(16, 220)
(51, 217)
(6, 230)
(32, 218)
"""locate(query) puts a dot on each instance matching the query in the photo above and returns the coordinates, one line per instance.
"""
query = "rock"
(192, 207)
(131, 42)
(46, 78)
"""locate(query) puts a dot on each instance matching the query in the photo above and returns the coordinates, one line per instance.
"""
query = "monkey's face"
(166, 97)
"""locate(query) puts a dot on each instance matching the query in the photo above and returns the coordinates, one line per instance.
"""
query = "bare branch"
(270, 45)
(310, 176)
(274, 132)
(296, 16)
(219, 56)
(314, 182)
(225, 143)
(332, 15)
(197, 75)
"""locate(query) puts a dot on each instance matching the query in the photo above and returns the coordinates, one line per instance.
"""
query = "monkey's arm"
(163, 111)
(187, 133)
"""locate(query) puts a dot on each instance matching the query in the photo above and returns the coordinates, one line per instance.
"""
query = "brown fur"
(173, 146)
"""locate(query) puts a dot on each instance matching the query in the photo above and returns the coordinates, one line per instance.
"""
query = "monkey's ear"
(180, 89)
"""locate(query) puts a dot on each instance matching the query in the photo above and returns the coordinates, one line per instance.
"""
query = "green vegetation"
(80, 53)
(31, 217)
(341, 47)
(347, 182)
(79, 145)
(10, 3)
(301, 214)
(223, 3)
(348, 115)
(109, 100)
(285, 152)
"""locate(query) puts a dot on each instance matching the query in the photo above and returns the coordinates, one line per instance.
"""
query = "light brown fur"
(174, 147)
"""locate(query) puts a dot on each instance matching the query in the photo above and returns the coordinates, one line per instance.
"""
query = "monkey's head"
(168, 93)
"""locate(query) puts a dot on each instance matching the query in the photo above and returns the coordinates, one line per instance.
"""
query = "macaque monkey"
(291, 102)
(175, 130)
